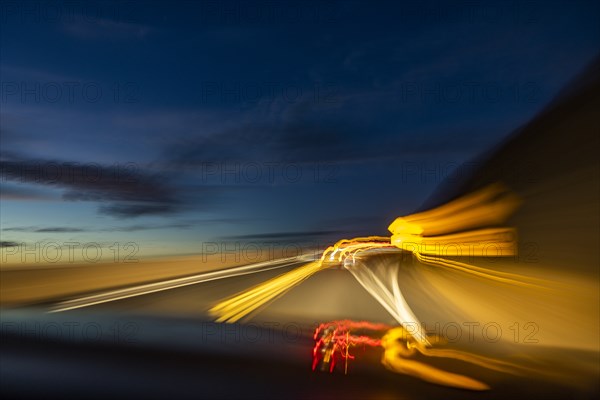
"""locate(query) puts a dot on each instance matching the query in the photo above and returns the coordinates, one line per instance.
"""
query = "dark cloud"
(4, 244)
(136, 228)
(137, 210)
(285, 235)
(66, 229)
(59, 230)
(129, 191)
(17, 192)
(55, 229)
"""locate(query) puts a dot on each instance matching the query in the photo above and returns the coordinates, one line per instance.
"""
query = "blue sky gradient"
(174, 124)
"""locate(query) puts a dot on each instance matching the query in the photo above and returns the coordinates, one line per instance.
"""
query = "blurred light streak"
(141, 290)
(440, 232)
(333, 341)
(503, 277)
(391, 299)
(243, 304)
(488, 206)
(398, 348)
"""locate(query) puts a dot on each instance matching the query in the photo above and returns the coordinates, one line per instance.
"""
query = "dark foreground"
(107, 357)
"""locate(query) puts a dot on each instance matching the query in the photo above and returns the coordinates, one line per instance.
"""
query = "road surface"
(158, 340)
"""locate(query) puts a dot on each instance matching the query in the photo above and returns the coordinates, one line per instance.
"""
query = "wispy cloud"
(306, 132)
(70, 229)
(97, 28)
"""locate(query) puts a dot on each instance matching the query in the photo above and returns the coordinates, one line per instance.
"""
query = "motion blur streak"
(513, 279)
(488, 206)
(481, 243)
(392, 300)
(333, 341)
(141, 290)
(234, 309)
(398, 347)
(491, 205)
(248, 301)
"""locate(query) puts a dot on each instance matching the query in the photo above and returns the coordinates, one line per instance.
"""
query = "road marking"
(141, 290)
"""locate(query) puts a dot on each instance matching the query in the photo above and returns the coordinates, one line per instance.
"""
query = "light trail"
(141, 290)
(241, 305)
(333, 341)
(489, 242)
(399, 346)
(502, 277)
(390, 298)
(442, 232)
(396, 357)
(489, 206)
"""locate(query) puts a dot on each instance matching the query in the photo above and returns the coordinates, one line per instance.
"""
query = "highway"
(330, 294)
(157, 339)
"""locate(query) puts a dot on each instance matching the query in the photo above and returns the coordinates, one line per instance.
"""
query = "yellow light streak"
(400, 346)
(503, 277)
(449, 230)
(489, 242)
(486, 207)
(243, 304)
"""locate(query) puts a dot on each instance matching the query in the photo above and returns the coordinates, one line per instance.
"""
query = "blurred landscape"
(129, 217)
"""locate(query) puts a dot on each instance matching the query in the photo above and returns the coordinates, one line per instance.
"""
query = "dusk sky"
(172, 126)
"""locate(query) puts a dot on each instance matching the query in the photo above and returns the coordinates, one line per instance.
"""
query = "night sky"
(172, 124)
